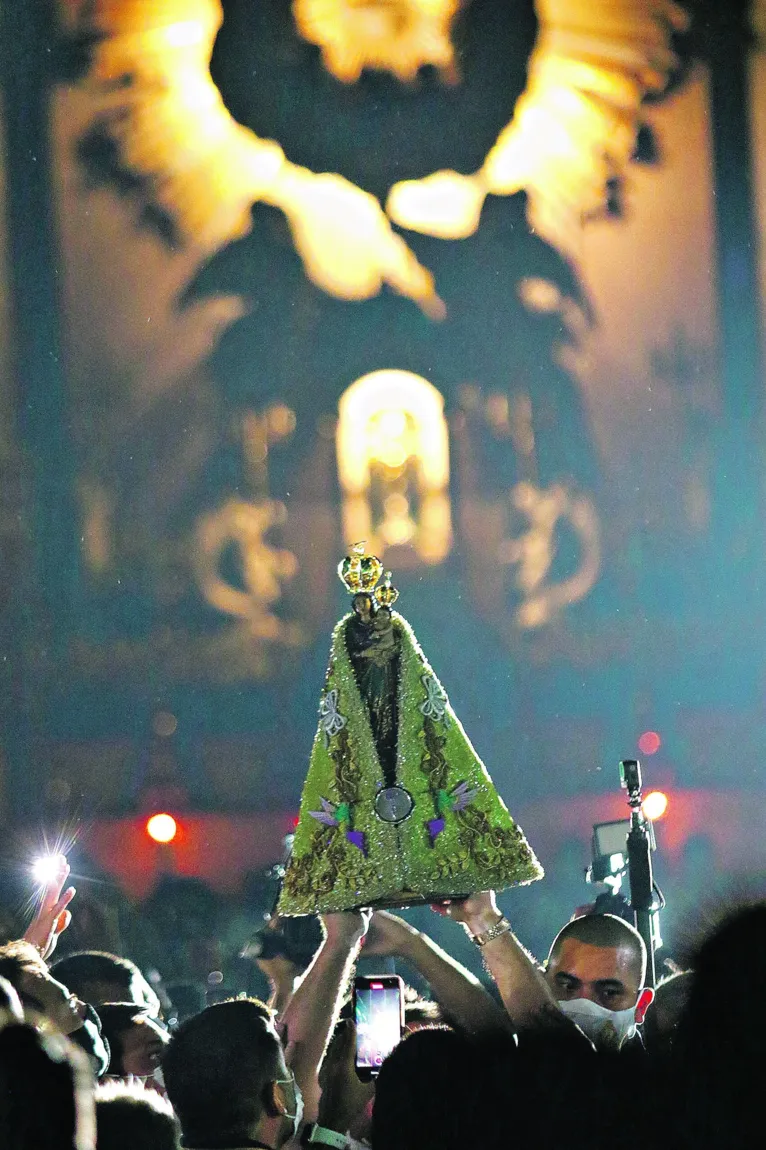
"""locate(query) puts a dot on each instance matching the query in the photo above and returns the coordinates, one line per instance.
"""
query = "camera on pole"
(622, 850)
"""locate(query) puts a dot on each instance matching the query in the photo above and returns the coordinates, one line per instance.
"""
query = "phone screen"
(378, 1011)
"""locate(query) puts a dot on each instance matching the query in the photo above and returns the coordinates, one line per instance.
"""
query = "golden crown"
(360, 571)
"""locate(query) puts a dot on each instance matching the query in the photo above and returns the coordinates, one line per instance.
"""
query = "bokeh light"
(162, 828)
(655, 805)
(165, 724)
(649, 743)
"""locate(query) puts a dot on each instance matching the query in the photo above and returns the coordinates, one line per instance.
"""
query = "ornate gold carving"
(398, 36)
(532, 553)
(264, 566)
(573, 129)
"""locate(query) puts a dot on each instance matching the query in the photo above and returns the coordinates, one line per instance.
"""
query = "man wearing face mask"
(226, 1077)
(235, 1082)
(594, 974)
(596, 970)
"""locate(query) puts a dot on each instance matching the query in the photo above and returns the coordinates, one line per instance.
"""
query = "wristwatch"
(501, 927)
(314, 1134)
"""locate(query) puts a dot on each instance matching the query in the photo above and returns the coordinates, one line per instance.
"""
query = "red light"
(649, 743)
(296, 820)
(162, 828)
(376, 986)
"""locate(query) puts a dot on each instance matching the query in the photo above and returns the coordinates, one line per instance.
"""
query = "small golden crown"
(386, 595)
(360, 571)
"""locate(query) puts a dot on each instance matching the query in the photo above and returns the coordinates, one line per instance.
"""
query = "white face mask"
(606, 1028)
(297, 1116)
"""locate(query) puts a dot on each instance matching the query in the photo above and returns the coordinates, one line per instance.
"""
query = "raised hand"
(52, 917)
(387, 934)
(478, 912)
(345, 1099)
(346, 927)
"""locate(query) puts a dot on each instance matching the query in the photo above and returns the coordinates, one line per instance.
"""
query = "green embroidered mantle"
(459, 837)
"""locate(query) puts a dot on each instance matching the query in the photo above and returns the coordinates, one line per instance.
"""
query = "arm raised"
(525, 993)
(312, 1013)
(459, 993)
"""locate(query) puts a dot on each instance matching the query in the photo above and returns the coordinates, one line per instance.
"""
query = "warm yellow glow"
(184, 35)
(173, 127)
(97, 535)
(346, 242)
(391, 401)
(655, 805)
(265, 567)
(393, 464)
(207, 171)
(446, 204)
(540, 295)
(573, 128)
(398, 36)
(281, 420)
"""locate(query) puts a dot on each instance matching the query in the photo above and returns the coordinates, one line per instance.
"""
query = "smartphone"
(379, 1017)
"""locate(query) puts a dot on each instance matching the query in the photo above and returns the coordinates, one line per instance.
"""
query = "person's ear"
(274, 1101)
(645, 1000)
(277, 1103)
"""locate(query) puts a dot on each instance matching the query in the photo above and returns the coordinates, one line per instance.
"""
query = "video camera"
(296, 939)
(622, 850)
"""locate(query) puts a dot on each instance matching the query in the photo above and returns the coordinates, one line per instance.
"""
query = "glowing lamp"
(393, 464)
(162, 828)
(649, 743)
(655, 805)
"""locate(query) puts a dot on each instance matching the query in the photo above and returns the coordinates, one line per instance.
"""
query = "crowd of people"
(574, 1051)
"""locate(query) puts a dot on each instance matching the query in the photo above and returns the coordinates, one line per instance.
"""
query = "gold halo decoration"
(397, 36)
(574, 128)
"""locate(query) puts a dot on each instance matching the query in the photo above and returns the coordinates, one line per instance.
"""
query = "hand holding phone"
(379, 1018)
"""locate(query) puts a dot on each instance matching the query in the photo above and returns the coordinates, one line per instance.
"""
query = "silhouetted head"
(129, 1116)
(226, 1077)
(96, 976)
(429, 1093)
(46, 1092)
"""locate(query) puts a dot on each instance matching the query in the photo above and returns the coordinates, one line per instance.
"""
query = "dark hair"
(116, 1018)
(217, 1067)
(130, 1116)
(45, 1084)
(663, 1016)
(608, 931)
(428, 1094)
(81, 970)
(422, 1012)
(720, 1044)
(18, 957)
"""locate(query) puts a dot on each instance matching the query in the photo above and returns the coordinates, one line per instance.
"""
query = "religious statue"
(397, 807)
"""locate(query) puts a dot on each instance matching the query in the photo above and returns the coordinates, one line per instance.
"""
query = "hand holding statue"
(477, 913)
